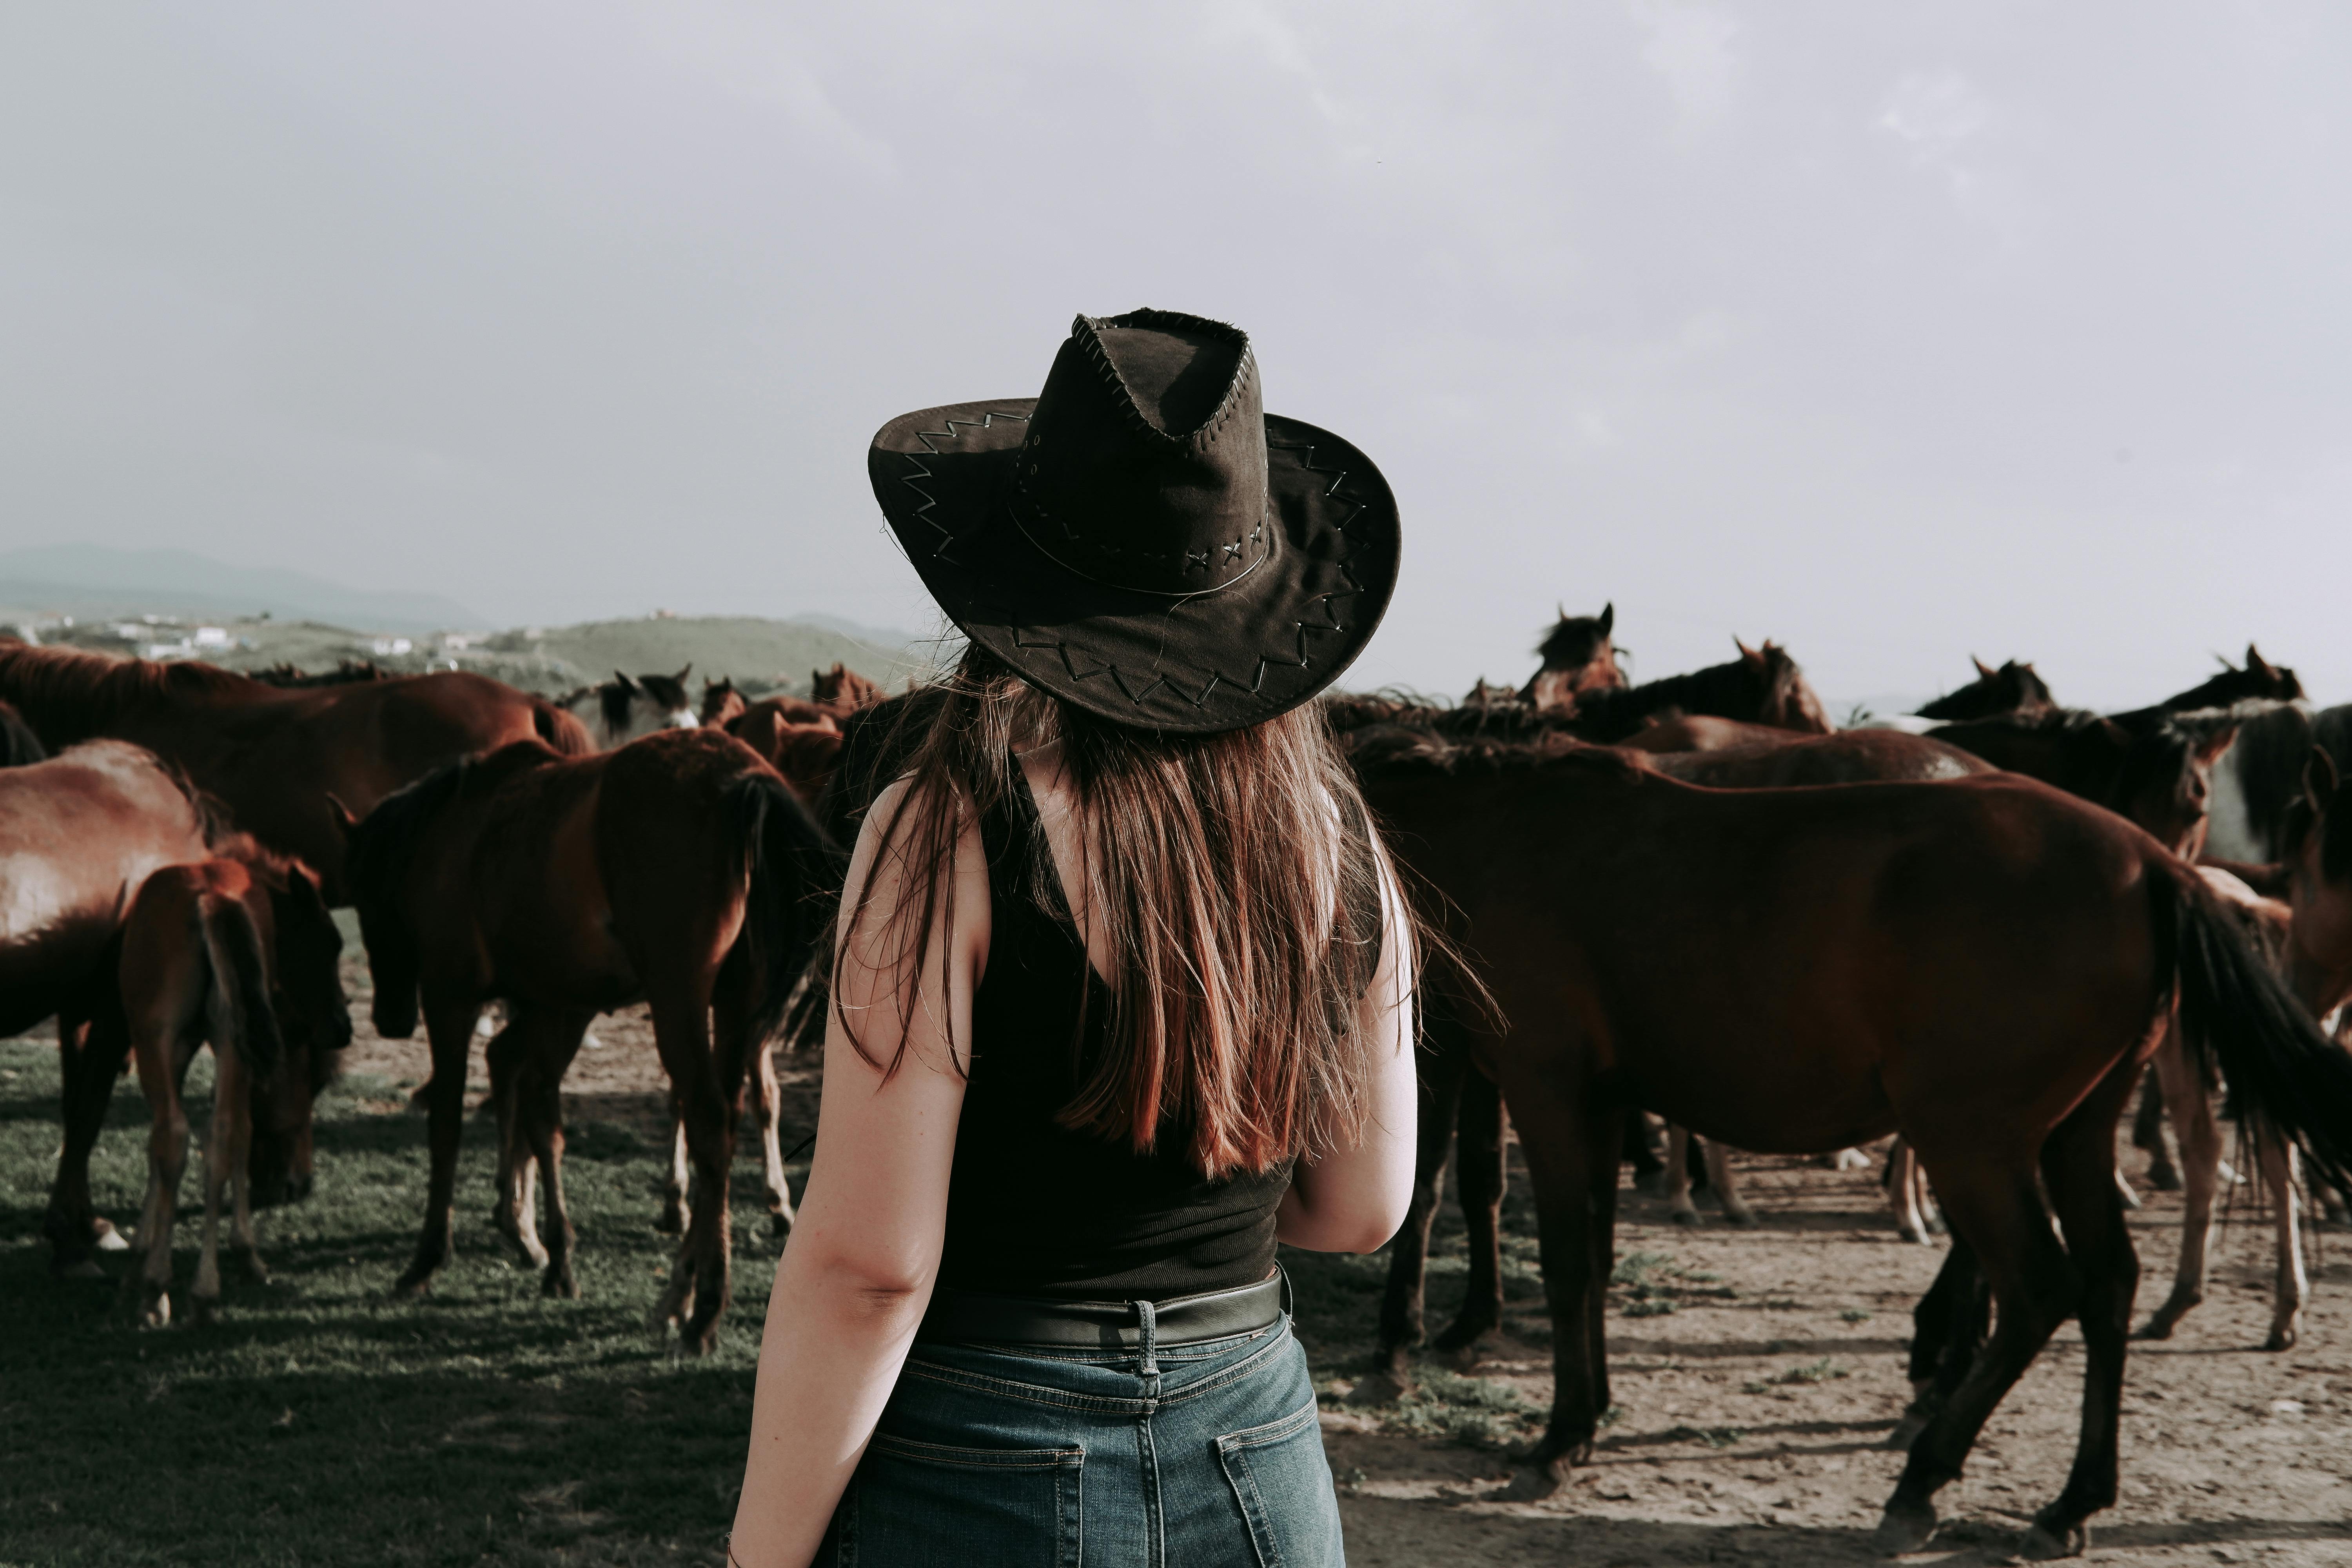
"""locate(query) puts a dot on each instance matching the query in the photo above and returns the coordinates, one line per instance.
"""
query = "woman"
(1121, 997)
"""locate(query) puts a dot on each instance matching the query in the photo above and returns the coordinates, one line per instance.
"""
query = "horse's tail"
(237, 1002)
(560, 729)
(2236, 1014)
(787, 859)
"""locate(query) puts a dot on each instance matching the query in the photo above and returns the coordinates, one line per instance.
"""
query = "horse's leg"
(1572, 1156)
(234, 1083)
(515, 1211)
(1479, 1176)
(2078, 1168)
(167, 1163)
(767, 1101)
(1678, 1180)
(1947, 1329)
(698, 1290)
(92, 1048)
(676, 1213)
(2147, 1132)
(1994, 1205)
(2190, 1105)
(1641, 1144)
(450, 1024)
(1726, 1186)
(1903, 1191)
(2280, 1171)
(1443, 1073)
(220, 1162)
(539, 1110)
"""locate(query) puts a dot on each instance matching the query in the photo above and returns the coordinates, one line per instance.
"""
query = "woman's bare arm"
(1353, 1199)
(857, 1274)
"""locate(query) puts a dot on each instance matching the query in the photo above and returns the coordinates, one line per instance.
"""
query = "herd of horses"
(1971, 929)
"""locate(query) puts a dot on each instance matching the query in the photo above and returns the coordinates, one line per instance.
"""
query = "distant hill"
(85, 580)
(748, 648)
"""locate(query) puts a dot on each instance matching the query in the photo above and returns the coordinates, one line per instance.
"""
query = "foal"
(678, 869)
(238, 951)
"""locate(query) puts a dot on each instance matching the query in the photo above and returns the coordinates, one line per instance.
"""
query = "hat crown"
(1144, 463)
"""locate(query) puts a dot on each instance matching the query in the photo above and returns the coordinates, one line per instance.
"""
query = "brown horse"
(1983, 965)
(2259, 681)
(805, 754)
(1762, 686)
(273, 757)
(842, 691)
(18, 744)
(1579, 655)
(2160, 777)
(2013, 690)
(79, 833)
(626, 708)
(677, 870)
(238, 951)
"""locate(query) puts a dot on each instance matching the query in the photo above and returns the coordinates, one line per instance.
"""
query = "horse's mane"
(1498, 714)
(1405, 749)
(384, 841)
(347, 672)
(101, 687)
(1773, 680)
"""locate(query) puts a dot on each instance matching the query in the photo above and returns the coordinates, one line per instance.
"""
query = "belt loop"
(1150, 1346)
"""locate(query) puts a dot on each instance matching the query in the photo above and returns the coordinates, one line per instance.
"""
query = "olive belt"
(974, 1317)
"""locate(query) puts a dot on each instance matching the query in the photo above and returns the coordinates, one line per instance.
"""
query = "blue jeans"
(1197, 1456)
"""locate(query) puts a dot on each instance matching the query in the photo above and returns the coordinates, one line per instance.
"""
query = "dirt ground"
(1757, 1376)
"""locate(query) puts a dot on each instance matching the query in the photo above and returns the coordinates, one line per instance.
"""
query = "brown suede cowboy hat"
(1142, 538)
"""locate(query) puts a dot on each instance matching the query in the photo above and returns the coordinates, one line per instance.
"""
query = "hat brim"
(1191, 664)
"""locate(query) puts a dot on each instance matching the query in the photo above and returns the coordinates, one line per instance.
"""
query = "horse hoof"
(1379, 1388)
(1744, 1219)
(560, 1285)
(1904, 1528)
(156, 1313)
(205, 1312)
(1906, 1432)
(1686, 1217)
(1532, 1483)
(2040, 1545)
(780, 1225)
(106, 1238)
(2280, 1340)
(412, 1285)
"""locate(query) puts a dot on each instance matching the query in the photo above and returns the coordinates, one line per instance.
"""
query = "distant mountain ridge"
(91, 579)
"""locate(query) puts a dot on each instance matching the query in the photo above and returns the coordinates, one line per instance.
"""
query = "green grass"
(318, 1421)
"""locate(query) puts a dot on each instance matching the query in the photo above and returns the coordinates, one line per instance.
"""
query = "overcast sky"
(1895, 332)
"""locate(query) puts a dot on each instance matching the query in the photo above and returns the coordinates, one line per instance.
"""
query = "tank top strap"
(1020, 872)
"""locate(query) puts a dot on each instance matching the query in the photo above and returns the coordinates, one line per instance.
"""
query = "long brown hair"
(1225, 875)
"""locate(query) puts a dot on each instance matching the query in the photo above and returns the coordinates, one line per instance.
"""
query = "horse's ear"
(684, 673)
(344, 820)
(1608, 617)
(2319, 780)
(1987, 671)
(1749, 654)
(626, 684)
(2225, 662)
(2255, 662)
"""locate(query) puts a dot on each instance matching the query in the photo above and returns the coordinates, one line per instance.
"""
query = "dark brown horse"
(79, 833)
(237, 951)
(2259, 681)
(18, 744)
(1983, 965)
(1579, 655)
(677, 870)
(290, 676)
(1762, 686)
(627, 707)
(2159, 777)
(2012, 689)
(273, 757)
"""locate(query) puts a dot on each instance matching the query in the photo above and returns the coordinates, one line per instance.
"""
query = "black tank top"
(1035, 1208)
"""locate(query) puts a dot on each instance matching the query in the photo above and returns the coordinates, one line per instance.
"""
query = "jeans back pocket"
(927, 1504)
(1282, 1483)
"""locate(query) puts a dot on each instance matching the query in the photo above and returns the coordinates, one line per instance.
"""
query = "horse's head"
(2013, 689)
(2261, 678)
(2319, 872)
(657, 701)
(373, 869)
(2165, 783)
(1785, 700)
(314, 1021)
(843, 688)
(1577, 656)
(720, 702)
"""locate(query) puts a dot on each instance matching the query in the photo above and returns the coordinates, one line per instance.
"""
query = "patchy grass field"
(317, 1423)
